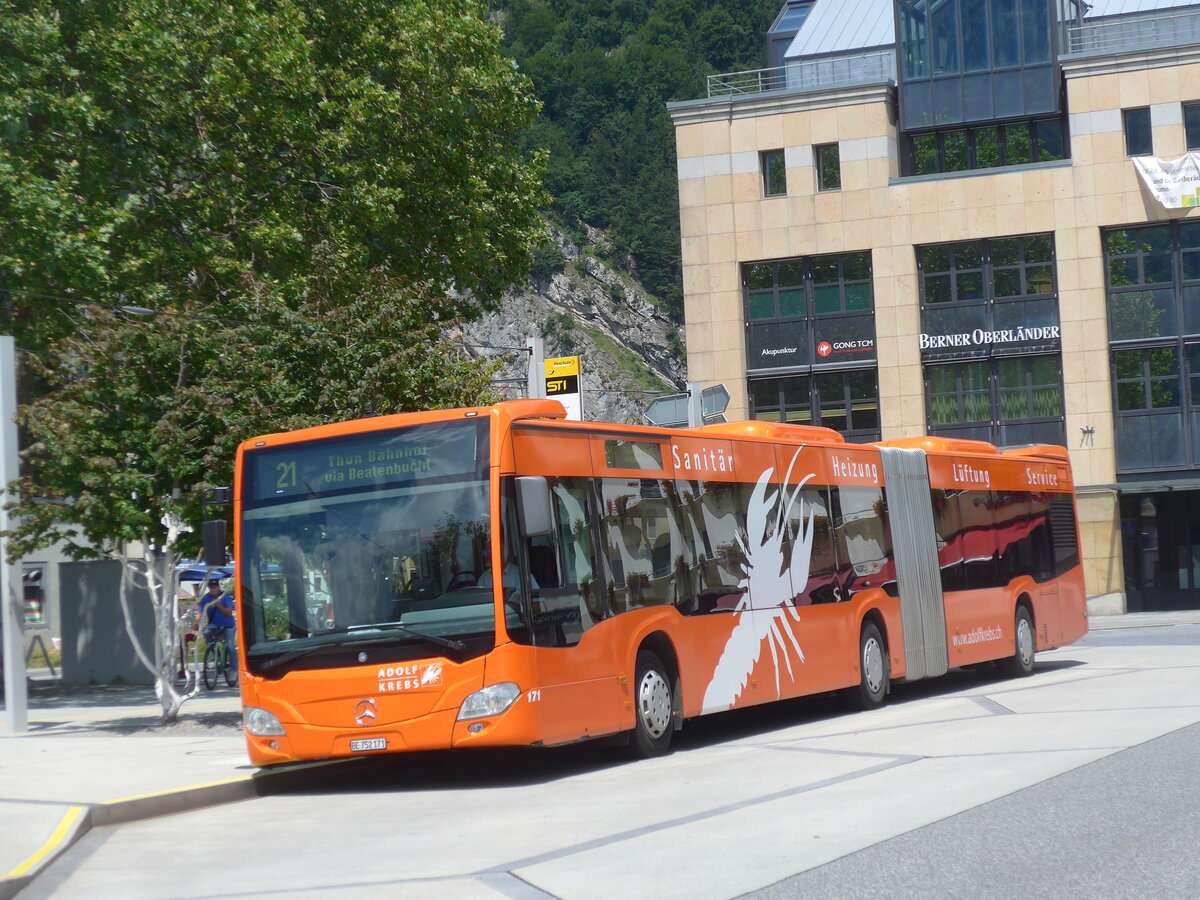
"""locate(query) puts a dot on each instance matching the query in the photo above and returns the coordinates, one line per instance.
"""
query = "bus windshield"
(373, 542)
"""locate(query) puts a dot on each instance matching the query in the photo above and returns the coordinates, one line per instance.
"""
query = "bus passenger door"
(577, 692)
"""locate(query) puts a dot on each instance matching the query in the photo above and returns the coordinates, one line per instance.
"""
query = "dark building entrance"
(1160, 535)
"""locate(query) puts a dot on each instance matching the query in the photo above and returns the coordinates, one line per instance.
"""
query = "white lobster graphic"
(763, 611)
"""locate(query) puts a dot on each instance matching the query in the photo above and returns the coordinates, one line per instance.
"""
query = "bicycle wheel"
(211, 662)
(231, 671)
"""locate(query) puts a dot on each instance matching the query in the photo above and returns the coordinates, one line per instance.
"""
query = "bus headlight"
(491, 701)
(261, 723)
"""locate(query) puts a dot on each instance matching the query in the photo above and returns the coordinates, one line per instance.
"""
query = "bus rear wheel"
(874, 680)
(1020, 663)
(653, 703)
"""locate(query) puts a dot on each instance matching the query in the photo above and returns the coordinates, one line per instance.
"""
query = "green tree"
(306, 195)
(162, 151)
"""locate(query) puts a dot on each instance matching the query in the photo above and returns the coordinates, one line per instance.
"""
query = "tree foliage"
(306, 195)
(142, 415)
(336, 169)
(161, 152)
(604, 71)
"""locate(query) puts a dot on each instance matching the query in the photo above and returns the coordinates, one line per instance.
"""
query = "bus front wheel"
(1020, 663)
(873, 667)
(652, 701)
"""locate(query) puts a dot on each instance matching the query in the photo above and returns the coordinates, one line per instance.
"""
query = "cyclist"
(216, 608)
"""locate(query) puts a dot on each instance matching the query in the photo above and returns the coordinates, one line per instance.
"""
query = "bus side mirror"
(214, 542)
(533, 497)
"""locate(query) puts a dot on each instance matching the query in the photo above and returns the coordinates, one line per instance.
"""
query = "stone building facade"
(941, 234)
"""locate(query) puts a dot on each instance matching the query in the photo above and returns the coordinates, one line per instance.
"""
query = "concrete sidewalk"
(98, 756)
(1145, 620)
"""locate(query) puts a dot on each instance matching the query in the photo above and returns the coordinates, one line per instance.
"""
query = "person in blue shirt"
(216, 614)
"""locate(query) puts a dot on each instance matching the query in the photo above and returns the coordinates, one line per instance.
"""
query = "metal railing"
(823, 73)
(1134, 32)
(753, 81)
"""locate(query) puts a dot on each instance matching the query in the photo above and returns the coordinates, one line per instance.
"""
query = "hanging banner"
(1174, 183)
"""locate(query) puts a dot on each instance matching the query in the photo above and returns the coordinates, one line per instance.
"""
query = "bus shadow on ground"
(526, 766)
(505, 767)
(445, 770)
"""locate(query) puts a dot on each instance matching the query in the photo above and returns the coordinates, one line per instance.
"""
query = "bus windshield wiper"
(293, 655)
(359, 640)
(400, 626)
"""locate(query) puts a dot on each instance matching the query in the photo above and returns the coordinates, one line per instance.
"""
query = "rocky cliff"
(581, 305)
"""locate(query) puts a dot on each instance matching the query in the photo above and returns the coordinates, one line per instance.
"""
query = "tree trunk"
(155, 573)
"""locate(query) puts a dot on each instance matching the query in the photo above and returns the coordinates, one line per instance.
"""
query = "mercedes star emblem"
(364, 712)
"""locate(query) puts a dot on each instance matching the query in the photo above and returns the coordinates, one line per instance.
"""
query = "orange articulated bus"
(501, 576)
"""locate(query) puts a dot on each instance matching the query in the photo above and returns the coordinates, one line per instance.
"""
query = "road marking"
(70, 817)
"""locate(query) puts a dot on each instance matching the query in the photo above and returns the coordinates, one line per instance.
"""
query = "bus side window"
(561, 568)
(979, 539)
(951, 539)
(1041, 538)
(543, 562)
(640, 544)
(684, 556)
(864, 542)
(715, 516)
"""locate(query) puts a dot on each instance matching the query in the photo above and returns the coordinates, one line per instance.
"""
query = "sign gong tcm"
(562, 384)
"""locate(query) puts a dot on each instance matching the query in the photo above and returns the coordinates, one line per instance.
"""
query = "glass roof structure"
(842, 26)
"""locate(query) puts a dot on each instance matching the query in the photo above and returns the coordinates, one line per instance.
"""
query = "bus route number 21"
(287, 475)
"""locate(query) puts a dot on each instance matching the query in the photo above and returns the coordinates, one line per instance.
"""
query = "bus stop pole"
(695, 413)
(536, 389)
(16, 692)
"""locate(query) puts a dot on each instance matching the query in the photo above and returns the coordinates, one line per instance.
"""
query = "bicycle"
(217, 660)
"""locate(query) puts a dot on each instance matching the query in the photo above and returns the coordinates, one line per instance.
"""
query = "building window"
(1007, 400)
(774, 173)
(1149, 407)
(1154, 332)
(846, 401)
(1138, 138)
(783, 30)
(829, 167)
(810, 342)
(818, 310)
(963, 61)
(990, 340)
(1003, 288)
(1191, 125)
(985, 147)
(1143, 281)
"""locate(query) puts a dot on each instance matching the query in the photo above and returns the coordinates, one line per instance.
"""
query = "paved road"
(1077, 782)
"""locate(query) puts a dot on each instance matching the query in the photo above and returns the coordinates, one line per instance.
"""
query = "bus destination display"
(384, 459)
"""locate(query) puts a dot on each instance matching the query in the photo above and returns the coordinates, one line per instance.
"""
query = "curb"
(78, 820)
(70, 828)
(1144, 620)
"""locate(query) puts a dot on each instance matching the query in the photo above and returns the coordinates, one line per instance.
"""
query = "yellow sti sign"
(562, 384)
